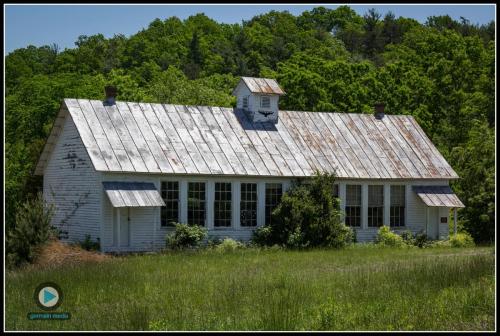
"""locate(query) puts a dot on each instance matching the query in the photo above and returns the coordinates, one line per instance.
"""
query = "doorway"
(433, 223)
(121, 227)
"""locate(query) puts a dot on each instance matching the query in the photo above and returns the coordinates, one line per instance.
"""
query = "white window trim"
(262, 98)
(231, 226)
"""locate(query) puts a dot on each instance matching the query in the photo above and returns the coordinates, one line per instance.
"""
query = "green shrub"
(262, 236)
(229, 245)
(308, 215)
(386, 237)
(90, 245)
(408, 237)
(462, 239)
(185, 236)
(422, 240)
(212, 242)
(32, 229)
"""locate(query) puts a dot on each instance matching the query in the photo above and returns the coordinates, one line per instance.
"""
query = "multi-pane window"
(375, 205)
(248, 204)
(398, 201)
(196, 203)
(170, 195)
(222, 204)
(274, 191)
(245, 102)
(265, 101)
(353, 205)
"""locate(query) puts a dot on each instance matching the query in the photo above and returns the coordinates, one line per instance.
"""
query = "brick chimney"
(379, 110)
(111, 93)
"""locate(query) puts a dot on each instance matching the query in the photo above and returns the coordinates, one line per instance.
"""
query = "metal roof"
(262, 85)
(179, 139)
(438, 196)
(133, 194)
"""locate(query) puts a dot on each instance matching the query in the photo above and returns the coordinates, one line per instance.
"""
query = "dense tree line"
(441, 72)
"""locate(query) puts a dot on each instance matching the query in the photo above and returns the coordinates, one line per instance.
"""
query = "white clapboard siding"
(72, 185)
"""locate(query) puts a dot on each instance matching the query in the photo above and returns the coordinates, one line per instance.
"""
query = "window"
(170, 195)
(273, 197)
(375, 205)
(222, 204)
(196, 203)
(336, 190)
(353, 205)
(265, 101)
(248, 204)
(398, 201)
(245, 102)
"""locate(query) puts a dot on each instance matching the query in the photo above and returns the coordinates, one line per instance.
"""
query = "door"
(433, 224)
(121, 227)
(125, 227)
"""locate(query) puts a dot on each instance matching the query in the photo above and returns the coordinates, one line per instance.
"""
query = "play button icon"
(48, 296)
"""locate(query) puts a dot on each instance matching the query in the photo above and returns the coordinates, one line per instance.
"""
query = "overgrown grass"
(357, 288)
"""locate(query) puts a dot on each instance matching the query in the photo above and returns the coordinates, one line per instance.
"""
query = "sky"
(40, 25)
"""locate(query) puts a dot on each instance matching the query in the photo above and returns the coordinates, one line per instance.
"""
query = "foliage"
(386, 237)
(307, 216)
(32, 229)
(229, 245)
(90, 245)
(462, 239)
(441, 72)
(185, 236)
(421, 240)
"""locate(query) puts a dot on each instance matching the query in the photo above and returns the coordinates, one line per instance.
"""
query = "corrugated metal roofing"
(179, 139)
(438, 196)
(263, 85)
(133, 194)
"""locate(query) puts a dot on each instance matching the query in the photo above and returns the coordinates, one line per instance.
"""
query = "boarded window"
(222, 204)
(196, 203)
(265, 102)
(353, 205)
(245, 102)
(170, 195)
(375, 205)
(274, 191)
(398, 202)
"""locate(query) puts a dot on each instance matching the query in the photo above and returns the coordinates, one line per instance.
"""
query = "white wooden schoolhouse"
(123, 172)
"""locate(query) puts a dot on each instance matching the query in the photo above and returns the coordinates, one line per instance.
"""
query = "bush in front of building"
(185, 236)
(388, 238)
(307, 216)
(462, 239)
(32, 229)
(229, 245)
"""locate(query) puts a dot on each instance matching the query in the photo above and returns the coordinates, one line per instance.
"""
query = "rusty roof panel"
(164, 138)
(262, 85)
(438, 196)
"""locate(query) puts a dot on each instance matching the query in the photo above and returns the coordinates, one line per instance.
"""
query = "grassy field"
(358, 288)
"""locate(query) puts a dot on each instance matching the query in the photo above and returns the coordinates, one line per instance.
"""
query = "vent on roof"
(379, 110)
(111, 93)
(258, 98)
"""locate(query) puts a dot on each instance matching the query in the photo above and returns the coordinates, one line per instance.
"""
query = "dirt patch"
(56, 253)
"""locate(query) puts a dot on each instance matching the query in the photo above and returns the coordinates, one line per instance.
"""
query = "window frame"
(178, 203)
(378, 207)
(359, 207)
(266, 215)
(230, 205)
(205, 201)
(268, 98)
(405, 207)
(243, 100)
(256, 202)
